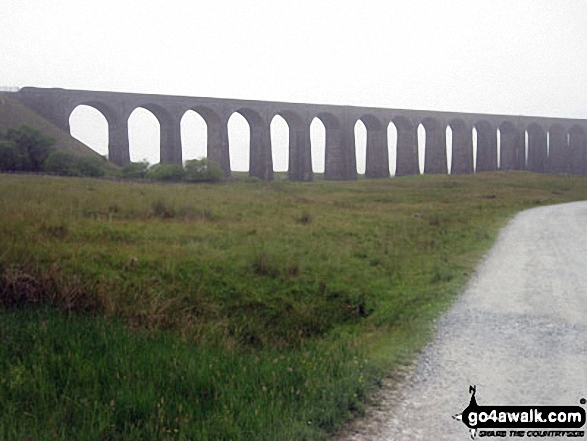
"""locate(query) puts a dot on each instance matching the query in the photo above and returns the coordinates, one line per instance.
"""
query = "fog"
(525, 57)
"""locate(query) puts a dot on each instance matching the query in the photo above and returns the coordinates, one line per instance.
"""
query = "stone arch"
(435, 156)
(558, 149)
(107, 111)
(377, 153)
(260, 160)
(239, 142)
(89, 126)
(279, 132)
(392, 147)
(318, 144)
(144, 135)
(407, 147)
(339, 162)
(537, 149)
(216, 137)
(486, 146)
(360, 133)
(117, 138)
(578, 150)
(194, 135)
(462, 147)
(169, 132)
(509, 146)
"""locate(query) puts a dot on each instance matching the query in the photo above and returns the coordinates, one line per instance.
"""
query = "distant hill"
(13, 114)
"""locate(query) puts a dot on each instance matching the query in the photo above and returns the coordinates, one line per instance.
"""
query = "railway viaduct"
(539, 144)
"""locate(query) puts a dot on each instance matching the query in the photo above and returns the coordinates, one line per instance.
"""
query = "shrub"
(11, 158)
(135, 170)
(166, 172)
(68, 164)
(32, 144)
(203, 170)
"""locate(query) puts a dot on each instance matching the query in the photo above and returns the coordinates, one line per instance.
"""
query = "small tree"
(11, 158)
(32, 144)
(135, 170)
(203, 170)
(68, 164)
(166, 172)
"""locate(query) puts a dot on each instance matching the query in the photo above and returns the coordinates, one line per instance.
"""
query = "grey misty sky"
(492, 56)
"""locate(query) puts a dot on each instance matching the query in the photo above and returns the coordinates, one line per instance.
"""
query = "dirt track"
(518, 332)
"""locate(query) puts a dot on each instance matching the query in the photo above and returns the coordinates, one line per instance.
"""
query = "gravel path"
(518, 332)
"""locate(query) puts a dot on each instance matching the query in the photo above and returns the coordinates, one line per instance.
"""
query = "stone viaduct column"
(349, 152)
(486, 147)
(510, 146)
(340, 163)
(300, 151)
(578, 150)
(462, 148)
(118, 144)
(435, 156)
(170, 137)
(558, 149)
(537, 153)
(218, 151)
(377, 161)
(407, 147)
(261, 162)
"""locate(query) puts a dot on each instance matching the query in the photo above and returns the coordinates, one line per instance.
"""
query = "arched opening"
(144, 134)
(498, 143)
(421, 147)
(361, 146)
(392, 147)
(474, 139)
(239, 139)
(318, 143)
(526, 148)
(449, 148)
(88, 125)
(280, 143)
(194, 136)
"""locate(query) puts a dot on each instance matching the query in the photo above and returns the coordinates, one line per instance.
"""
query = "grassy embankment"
(244, 311)
(14, 114)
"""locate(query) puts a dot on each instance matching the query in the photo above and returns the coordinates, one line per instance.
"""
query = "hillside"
(13, 114)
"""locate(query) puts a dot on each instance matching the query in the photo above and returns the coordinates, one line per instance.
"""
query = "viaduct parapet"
(539, 144)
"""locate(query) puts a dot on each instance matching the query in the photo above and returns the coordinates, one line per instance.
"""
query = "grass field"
(237, 311)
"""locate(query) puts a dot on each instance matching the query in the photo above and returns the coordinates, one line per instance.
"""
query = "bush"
(32, 144)
(166, 172)
(135, 170)
(203, 170)
(11, 158)
(68, 164)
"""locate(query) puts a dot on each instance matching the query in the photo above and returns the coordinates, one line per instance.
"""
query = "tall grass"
(248, 310)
